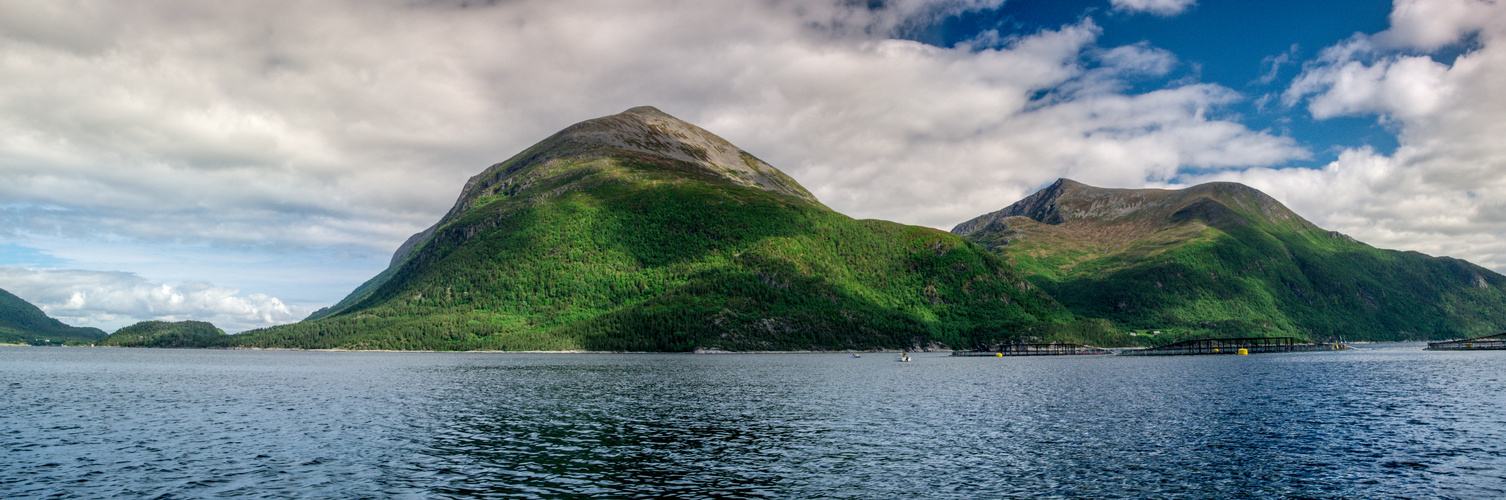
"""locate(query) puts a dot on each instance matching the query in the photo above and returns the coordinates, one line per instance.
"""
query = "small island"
(165, 334)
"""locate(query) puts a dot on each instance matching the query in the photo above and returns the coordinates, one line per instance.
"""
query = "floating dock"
(1486, 343)
(1053, 349)
(1245, 345)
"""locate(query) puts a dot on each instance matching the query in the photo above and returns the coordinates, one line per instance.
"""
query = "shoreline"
(698, 351)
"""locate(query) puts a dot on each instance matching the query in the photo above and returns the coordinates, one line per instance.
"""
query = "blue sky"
(16, 255)
(1254, 48)
(247, 163)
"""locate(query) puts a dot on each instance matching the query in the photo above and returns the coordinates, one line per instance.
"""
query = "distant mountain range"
(641, 232)
(1224, 259)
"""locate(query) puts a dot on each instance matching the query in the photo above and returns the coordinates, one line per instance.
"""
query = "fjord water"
(1390, 421)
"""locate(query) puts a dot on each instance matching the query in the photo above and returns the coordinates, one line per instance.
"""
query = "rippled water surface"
(1392, 421)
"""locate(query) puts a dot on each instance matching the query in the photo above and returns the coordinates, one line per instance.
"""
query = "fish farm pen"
(1487, 343)
(1246, 345)
(1053, 349)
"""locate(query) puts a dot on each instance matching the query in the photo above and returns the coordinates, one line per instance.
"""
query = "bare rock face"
(642, 131)
(645, 129)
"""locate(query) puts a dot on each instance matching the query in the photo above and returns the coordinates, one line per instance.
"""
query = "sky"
(246, 163)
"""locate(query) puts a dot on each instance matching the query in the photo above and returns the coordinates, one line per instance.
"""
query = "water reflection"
(781, 426)
(647, 425)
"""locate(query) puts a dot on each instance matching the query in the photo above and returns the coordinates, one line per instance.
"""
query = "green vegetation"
(1094, 332)
(165, 334)
(670, 263)
(638, 232)
(1223, 262)
(23, 323)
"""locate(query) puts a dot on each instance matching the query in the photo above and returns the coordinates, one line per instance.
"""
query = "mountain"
(1226, 259)
(23, 323)
(165, 334)
(641, 232)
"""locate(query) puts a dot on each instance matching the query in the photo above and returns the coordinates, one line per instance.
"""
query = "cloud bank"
(110, 300)
(335, 123)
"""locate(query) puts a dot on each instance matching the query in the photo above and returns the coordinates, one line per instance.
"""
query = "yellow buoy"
(998, 355)
(1243, 352)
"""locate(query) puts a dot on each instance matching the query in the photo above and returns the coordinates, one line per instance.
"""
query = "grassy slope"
(23, 323)
(1227, 272)
(644, 254)
(165, 334)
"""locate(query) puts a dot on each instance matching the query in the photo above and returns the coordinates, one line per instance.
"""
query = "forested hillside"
(1223, 259)
(644, 233)
(166, 334)
(23, 323)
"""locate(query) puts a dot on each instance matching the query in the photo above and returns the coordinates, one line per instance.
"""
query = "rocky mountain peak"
(645, 130)
(1067, 200)
(642, 132)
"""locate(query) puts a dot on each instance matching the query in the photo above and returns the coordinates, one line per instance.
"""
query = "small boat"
(904, 357)
(857, 355)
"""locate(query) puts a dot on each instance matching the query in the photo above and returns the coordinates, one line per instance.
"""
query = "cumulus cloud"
(1343, 82)
(1157, 7)
(1432, 24)
(1442, 190)
(110, 300)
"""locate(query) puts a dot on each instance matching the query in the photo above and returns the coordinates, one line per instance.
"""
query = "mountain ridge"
(638, 231)
(1224, 258)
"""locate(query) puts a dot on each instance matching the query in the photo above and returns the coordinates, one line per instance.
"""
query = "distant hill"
(641, 232)
(166, 334)
(1225, 259)
(23, 323)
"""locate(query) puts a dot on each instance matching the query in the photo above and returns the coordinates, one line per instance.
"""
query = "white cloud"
(350, 125)
(1157, 7)
(1432, 24)
(1139, 59)
(1405, 87)
(1275, 63)
(1443, 191)
(110, 300)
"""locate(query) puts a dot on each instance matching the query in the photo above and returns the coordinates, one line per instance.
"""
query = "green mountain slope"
(641, 232)
(165, 334)
(1226, 259)
(23, 323)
